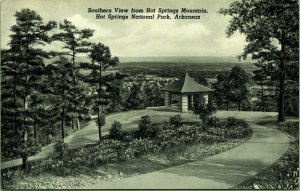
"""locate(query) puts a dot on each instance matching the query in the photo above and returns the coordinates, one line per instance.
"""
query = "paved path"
(221, 171)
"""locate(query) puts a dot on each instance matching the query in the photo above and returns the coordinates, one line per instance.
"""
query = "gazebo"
(180, 93)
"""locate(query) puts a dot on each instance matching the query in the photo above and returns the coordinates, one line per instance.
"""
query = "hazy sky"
(136, 38)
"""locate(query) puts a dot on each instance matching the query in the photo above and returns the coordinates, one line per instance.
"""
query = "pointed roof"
(187, 84)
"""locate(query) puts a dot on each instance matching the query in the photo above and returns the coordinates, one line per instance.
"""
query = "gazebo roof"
(187, 84)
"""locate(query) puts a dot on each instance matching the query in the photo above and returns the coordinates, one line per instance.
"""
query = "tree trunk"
(99, 127)
(63, 124)
(35, 128)
(99, 96)
(262, 97)
(25, 165)
(227, 106)
(73, 61)
(15, 102)
(239, 106)
(281, 116)
(73, 124)
(25, 137)
(77, 123)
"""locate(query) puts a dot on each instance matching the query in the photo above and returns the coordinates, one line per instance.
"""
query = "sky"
(138, 38)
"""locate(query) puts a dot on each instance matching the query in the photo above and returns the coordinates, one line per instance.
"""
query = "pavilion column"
(205, 96)
(192, 100)
(167, 98)
(184, 102)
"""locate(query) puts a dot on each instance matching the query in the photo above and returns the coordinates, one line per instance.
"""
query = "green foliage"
(101, 120)
(139, 147)
(222, 87)
(236, 128)
(238, 80)
(115, 131)
(135, 99)
(22, 67)
(212, 122)
(101, 82)
(175, 120)
(153, 96)
(263, 23)
(292, 99)
(232, 87)
(144, 126)
(204, 110)
(60, 148)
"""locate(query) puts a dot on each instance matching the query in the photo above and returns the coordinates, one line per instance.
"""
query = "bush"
(175, 120)
(232, 122)
(116, 130)
(236, 128)
(138, 147)
(144, 126)
(60, 148)
(290, 128)
(212, 122)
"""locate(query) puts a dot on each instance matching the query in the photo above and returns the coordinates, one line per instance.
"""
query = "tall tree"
(272, 34)
(101, 60)
(222, 90)
(60, 81)
(135, 99)
(261, 75)
(238, 81)
(75, 41)
(28, 34)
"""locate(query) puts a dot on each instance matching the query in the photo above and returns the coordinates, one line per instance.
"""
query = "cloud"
(232, 45)
(100, 32)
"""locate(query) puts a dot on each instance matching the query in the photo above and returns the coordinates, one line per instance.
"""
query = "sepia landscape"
(163, 110)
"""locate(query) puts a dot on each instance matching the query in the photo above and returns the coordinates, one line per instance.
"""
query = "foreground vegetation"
(152, 147)
(284, 173)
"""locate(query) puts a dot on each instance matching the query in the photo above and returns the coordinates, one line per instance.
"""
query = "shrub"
(175, 120)
(291, 128)
(236, 128)
(138, 147)
(116, 130)
(212, 122)
(230, 122)
(144, 126)
(60, 148)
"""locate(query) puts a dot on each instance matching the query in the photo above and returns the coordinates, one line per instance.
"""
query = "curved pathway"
(221, 171)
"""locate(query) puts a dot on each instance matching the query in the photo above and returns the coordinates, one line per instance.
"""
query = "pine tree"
(75, 41)
(101, 60)
(26, 61)
(60, 80)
